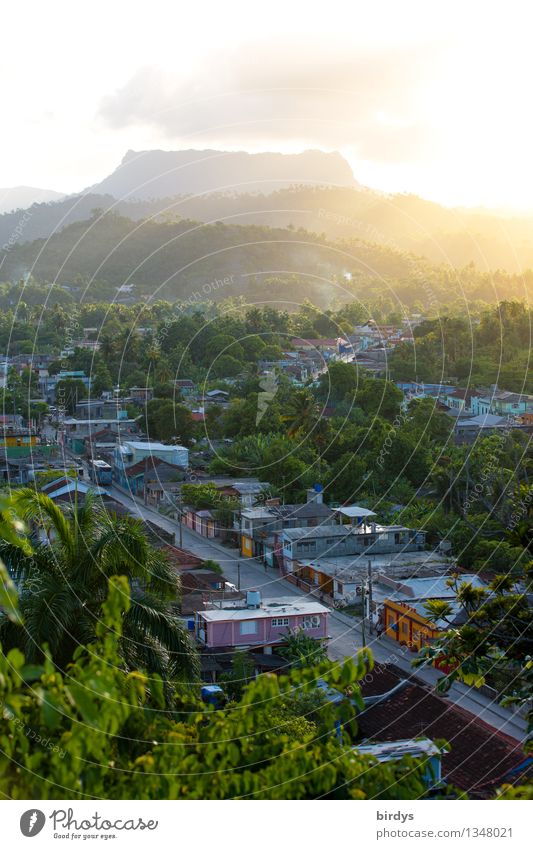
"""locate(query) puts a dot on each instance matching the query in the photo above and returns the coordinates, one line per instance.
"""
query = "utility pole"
(363, 608)
(145, 480)
(239, 575)
(370, 628)
(180, 519)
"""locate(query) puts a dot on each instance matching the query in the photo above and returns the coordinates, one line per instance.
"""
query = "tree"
(493, 640)
(302, 650)
(166, 420)
(302, 413)
(240, 675)
(63, 586)
(69, 393)
(339, 380)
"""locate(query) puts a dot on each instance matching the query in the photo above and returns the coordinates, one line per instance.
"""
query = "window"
(310, 622)
(330, 541)
(249, 627)
(404, 628)
(280, 623)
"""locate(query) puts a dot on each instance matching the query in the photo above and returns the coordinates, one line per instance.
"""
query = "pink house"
(262, 626)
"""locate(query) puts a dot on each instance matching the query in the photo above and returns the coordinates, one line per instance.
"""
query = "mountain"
(159, 173)
(21, 197)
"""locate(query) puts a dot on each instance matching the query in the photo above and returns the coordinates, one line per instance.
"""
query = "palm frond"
(38, 507)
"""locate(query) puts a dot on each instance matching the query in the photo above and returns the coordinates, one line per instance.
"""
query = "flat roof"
(351, 568)
(353, 511)
(426, 588)
(153, 446)
(344, 530)
(280, 607)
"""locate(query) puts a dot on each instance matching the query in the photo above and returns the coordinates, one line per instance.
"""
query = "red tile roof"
(480, 755)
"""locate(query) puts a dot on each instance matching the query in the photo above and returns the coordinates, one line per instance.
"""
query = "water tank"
(190, 624)
(253, 599)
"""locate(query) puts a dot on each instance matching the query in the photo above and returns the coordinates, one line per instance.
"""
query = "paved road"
(345, 633)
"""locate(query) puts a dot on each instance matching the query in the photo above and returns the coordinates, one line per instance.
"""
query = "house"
(259, 625)
(140, 395)
(76, 431)
(185, 387)
(334, 560)
(403, 611)
(48, 383)
(328, 348)
(468, 430)
(70, 489)
(16, 441)
(144, 478)
(460, 399)
(347, 540)
(159, 492)
(245, 491)
(203, 521)
(480, 755)
(257, 524)
(134, 454)
(502, 403)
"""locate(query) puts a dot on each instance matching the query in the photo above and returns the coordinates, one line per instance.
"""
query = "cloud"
(368, 101)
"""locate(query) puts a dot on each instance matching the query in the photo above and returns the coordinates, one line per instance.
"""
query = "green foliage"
(303, 651)
(68, 393)
(166, 420)
(92, 732)
(495, 637)
(63, 587)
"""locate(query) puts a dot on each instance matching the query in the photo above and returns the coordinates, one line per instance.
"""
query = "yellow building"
(407, 624)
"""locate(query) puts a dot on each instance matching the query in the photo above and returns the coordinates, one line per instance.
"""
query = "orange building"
(407, 624)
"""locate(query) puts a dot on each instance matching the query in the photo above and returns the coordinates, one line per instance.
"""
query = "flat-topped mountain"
(160, 173)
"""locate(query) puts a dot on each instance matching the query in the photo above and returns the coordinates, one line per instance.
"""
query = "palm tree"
(302, 413)
(63, 582)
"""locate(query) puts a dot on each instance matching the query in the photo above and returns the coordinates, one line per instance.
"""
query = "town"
(309, 504)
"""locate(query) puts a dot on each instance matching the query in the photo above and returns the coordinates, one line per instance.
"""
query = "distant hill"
(158, 173)
(402, 222)
(20, 197)
(182, 258)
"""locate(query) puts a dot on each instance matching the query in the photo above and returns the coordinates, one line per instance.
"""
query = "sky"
(432, 98)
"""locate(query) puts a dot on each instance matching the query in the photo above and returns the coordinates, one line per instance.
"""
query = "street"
(345, 633)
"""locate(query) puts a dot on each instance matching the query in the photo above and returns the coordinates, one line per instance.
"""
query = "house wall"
(406, 626)
(247, 548)
(352, 544)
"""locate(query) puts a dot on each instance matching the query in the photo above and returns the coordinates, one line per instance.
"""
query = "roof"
(281, 607)
(72, 486)
(437, 587)
(153, 446)
(310, 509)
(181, 558)
(353, 511)
(484, 420)
(343, 530)
(479, 753)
